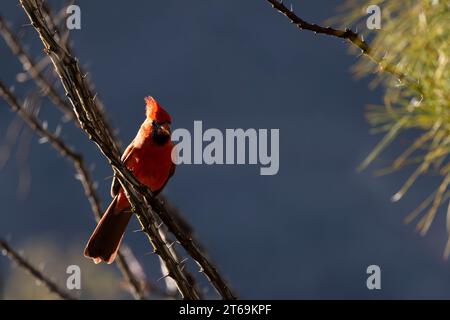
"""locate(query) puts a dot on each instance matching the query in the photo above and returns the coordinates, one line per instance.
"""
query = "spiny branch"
(29, 66)
(93, 124)
(346, 34)
(135, 268)
(83, 176)
(46, 86)
(147, 219)
(64, 41)
(33, 271)
(185, 237)
(351, 36)
(58, 37)
(137, 287)
(87, 113)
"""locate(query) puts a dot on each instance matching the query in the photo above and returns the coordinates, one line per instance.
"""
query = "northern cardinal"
(149, 158)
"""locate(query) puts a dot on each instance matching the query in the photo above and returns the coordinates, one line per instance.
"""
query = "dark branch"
(139, 196)
(33, 271)
(82, 174)
(30, 67)
(58, 37)
(91, 121)
(351, 36)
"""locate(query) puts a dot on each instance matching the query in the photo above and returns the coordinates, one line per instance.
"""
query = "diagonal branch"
(139, 196)
(184, 235)
(46, 10)
(92, 123)
(351, 36)
(36, 73)
(63, 40)
(136, 269)
(30, 67)
(33, 271)
(346, 34)
(137, 286)
(82, 174)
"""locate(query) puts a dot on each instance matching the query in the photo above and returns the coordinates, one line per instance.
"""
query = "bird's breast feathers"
(151, 163)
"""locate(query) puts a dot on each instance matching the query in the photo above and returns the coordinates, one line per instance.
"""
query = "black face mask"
(158, 135)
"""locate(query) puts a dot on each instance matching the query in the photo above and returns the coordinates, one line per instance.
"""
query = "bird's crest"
(154, 111)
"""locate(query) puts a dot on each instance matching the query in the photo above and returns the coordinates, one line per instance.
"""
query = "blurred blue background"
(308, 232)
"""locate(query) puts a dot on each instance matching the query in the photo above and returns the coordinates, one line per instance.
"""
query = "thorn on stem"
(170, 245)
(163, 277)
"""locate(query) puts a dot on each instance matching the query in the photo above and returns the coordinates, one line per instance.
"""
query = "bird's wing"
(115, 185)
(172, 171)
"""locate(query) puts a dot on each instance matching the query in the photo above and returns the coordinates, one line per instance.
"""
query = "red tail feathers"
(107, 236)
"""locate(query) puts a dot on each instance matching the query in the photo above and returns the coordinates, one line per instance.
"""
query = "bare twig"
(349, 35)
(35, 72)
(82, 174)
(39, 65)
(175, 213)
(46, 10)
(149, 225)
(53, 20)
(136, 269)
(11, 136)
(62, 37)
(170, 285)
(18, 133)
(30, 67)
(91, 122)
(183, 224)
(88, 115)
(58, 144)
(33, 271)
(135, 285)
(191, 246)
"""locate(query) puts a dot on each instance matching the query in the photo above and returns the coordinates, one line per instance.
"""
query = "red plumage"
(149, 158)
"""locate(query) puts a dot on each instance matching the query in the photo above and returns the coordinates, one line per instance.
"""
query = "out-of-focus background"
(308, 232)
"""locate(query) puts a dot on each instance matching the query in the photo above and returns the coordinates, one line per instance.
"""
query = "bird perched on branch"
(148, 157)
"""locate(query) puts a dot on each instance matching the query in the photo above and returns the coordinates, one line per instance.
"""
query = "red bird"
(149, 158)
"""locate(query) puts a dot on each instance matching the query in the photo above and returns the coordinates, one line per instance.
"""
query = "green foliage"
(414, 41)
